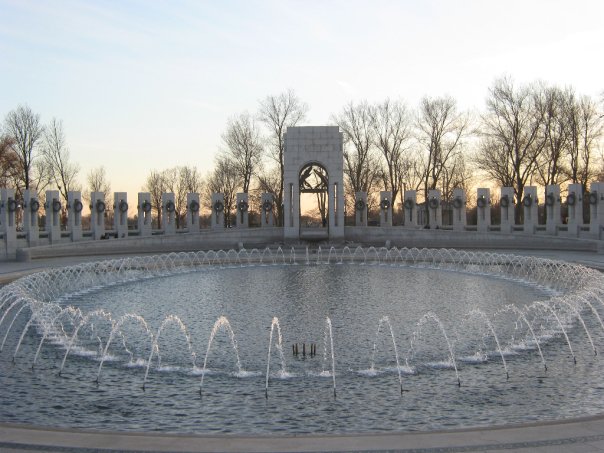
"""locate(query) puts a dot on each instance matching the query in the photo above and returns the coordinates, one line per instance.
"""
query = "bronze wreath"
(78, 206)
(218, 206)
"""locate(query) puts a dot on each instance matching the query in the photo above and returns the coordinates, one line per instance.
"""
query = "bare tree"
(361, 166)
(440, 130)
(244, 146)
(40, 178)
(171, 184)
(224, 179)
(457, 175)
(391, 124)
(155, 185)
(191, 179)
(179, 181)
(269, 182)
(97, 182)
(552, 102)
(56, 157)
(278, 113)
(585, 130)
(512, 138)
(9, 163)
(415, 172)
(24, 129)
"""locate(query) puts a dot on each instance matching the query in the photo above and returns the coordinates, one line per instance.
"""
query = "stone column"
(31, 207)
(596, 209)
(574, 201)
(483, 210)
(193, 212)
(168, 214)
(267, 218)
(506, 204)
(335, 206)
(291, 211)
(74, 215)
(120, 214)
(435, 209)
(242, 211)
(386, 208)
(97, 215)
(217, 210)
(410, 208)
(360, 209)
(552, 209)
(8, 221)
(145, 216)
(530, 204)
(52, 223)
(459, 210)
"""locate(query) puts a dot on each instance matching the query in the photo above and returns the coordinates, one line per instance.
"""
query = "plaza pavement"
(573, 435)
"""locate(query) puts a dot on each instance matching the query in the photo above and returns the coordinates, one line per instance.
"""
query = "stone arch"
(308, 148)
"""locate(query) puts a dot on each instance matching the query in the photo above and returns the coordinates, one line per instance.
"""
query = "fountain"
(478, 337)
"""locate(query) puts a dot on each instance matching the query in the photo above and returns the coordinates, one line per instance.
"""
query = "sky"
(145, 85)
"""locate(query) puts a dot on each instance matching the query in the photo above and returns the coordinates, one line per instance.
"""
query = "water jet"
(384, 314)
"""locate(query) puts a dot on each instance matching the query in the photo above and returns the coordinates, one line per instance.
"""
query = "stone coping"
(585, 434)
(377, 236)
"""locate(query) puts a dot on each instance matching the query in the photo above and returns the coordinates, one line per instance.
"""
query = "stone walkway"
(575, 435)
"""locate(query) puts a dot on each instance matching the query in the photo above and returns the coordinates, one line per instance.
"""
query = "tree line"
(528, 134)
(35, 156)
(533, 133)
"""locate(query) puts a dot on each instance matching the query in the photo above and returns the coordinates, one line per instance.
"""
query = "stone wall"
(26, 240)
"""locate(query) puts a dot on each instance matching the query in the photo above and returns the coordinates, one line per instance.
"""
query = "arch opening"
(314, 201)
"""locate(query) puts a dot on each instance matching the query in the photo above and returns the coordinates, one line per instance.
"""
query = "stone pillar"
(552, 209)
(74, 215)
(242, 211)
(574, 201)
(385, 208)
(8, 221)
(52, 223)
(506, 204)
(483, 210)
(360, 209)
(97, 215)
(193, 212)
(459, 210)
(120, 214)
(530, 204)
(145, 216)
(435, 209)
(217, 210)
(410, 208)
(31, 208)
(168, 213)
(267, 218)
(335, 208)
(596, 209)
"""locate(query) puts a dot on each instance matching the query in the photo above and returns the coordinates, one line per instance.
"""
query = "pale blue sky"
(144, 85)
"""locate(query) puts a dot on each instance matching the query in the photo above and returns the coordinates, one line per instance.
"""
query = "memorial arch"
(313, 164)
